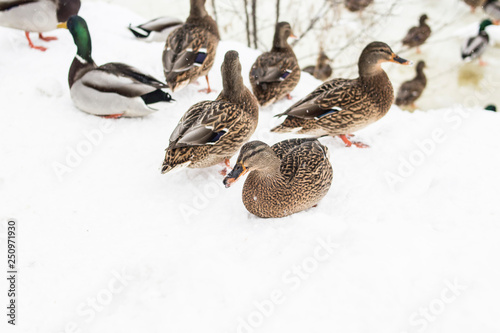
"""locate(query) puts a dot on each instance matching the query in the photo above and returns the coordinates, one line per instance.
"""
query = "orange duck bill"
(398, 60)
(235, 174)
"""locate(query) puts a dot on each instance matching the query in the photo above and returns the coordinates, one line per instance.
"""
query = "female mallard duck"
(276, 73)
(474, 4)
(357, 5)
(322, 71)
(411, 90)
(212, 131)
(416, 36)
(190, 50)
(156, 30)
(284, 179)
(342, 106)
(25, 15)
(475, 46)
(112, 90)
(492, 8)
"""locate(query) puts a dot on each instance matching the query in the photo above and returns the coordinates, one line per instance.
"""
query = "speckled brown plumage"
(212, 131)
(343, 106)
(417, 36)
(190, 50)
(322, 70)
(276, 73)
(411, 90)
(284, 179)
(357, 5)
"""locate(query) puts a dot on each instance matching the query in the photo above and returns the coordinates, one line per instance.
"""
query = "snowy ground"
(405, 241)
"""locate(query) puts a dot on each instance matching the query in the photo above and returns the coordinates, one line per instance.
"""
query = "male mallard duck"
(322, 71)
(474, 4)
(357, 5)
(36, 16)
(112, 90)
(492, 8)
(416, 36)
(210, 132)
(275, 73)
(475, 46)
(411, 90)
(284, 179)
(491, 107)
(190, 50)
(156, 30)
(342, 106)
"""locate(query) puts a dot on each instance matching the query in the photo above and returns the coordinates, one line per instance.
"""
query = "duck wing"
(205, 123)
(333, 97)
(186, 48)
(284, 147)
(9, 4)
(475, 46)
(272, 67)
(303, 160)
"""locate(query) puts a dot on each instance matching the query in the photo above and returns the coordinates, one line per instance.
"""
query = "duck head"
(484, 24)
(281, 34)
(423, 18)
(254, 155)
(232, 81)
(81, 36)
(374, 54)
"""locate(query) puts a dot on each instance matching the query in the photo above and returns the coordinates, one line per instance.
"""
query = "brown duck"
(190, 50)
(322, 71)
(474, 4)
(416, 36)
(411, 90)
(342, 106)
(276, 73)
(357, 5)
(212, 131)
(284, 179)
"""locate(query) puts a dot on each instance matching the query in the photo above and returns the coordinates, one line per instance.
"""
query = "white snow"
(405, 241)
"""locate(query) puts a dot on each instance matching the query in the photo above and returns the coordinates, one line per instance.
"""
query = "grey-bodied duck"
(492, 9)
(475, 46)
(342, 106)
(275, 73)
(417, 36)
(37, 16)
(190, 50)
(411, 90)
(286, 178)
(112, 90)
(211, 132)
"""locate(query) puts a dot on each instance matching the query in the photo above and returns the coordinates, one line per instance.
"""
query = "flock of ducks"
(288, 177)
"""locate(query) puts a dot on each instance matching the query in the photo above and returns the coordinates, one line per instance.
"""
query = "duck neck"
(233, 87)
(420, 74)
(270, 173)
(378, 86)
(280, 44)
(197, 9)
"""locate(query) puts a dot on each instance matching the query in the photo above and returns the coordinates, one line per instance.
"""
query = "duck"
(417, 36)
(211, 132)
(284, 179)
(474, 4)
(357, 5)
(189, 52)
(492, 8)
(340, 107)
(276, 73)
(25, 15)
(475, 46)
(112, 90)
(491, 107)
(322, 71)
(411, 90)
(156, 30)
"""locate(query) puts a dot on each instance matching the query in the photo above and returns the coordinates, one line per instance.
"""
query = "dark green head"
(80, 32)
(484, 24)
(491, 107)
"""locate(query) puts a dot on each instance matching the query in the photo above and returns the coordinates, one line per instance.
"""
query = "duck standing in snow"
(37, 16)
(112, 90)
(286, 178)
(492, 8)
(322, 71)
(275, 73)
(357, 5)
(156, 30)
(342, 106)
(475, 46)
(190, 50)
(417, 36)
(211, 132)
(411, 90)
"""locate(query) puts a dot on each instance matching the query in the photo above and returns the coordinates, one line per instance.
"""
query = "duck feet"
(289, 97)
(227, 166)
(348, 143)
(482, 63)
(113, 116)
(46, 39)
(40, 48)
(207, 90)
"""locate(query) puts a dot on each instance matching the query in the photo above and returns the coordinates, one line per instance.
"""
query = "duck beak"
(292, 36)
(235, 174)
(397, 59)
(62, 25)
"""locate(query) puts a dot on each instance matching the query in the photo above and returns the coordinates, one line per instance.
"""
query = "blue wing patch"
(285, 74)
(327, 112)
(216, 136)
(200, 57)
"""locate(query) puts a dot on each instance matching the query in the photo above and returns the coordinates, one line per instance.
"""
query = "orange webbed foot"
(46, 39)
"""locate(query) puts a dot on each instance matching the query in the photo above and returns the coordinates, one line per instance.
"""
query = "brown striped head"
(374, 54)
